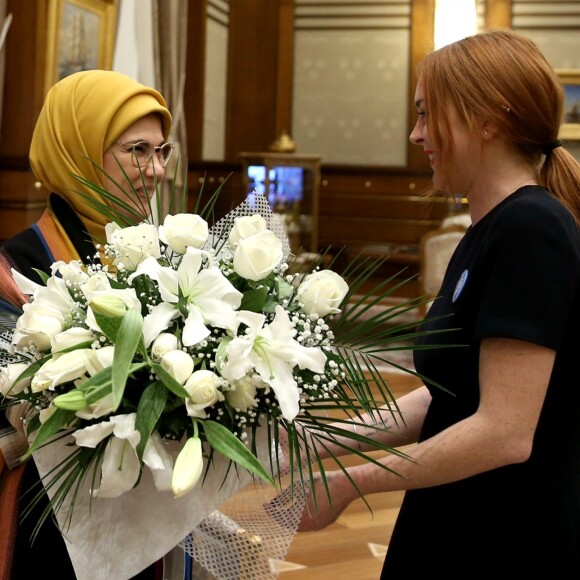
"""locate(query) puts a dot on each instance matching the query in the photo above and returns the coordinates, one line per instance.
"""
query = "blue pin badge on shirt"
(460, 285)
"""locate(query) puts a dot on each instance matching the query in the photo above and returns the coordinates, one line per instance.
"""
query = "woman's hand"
(321, 513)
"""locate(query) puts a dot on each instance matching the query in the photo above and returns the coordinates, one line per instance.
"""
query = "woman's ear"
(488, 130)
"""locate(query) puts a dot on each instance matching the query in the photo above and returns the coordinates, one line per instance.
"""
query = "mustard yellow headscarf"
(83, 114)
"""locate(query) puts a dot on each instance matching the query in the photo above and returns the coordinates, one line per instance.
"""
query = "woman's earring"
(485, 133)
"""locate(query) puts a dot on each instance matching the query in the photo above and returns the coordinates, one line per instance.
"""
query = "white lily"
(272, 351)
(71, 337)
(8, 376)
(210, 299)
(60, 369)
(159, 461)
(98, 360)
(120, 467)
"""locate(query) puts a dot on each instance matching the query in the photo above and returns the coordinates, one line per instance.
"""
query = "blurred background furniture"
(435, 250)
(462, 219)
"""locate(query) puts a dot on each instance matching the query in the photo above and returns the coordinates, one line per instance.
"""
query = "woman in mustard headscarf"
(110, 130)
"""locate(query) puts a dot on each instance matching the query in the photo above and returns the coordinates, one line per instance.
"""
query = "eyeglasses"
(142, 153)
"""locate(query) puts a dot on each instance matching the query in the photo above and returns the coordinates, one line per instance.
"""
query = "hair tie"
(547, 149)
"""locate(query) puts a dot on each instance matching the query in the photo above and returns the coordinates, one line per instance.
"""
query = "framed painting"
(570, 129)
(81, 36)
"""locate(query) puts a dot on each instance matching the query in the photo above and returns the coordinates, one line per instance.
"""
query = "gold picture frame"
(81, 36)
(570, 78)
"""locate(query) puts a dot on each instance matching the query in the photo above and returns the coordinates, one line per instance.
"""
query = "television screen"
(285, 184)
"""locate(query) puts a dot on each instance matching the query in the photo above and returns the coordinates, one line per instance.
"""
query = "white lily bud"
(108, 305)
(188, 467)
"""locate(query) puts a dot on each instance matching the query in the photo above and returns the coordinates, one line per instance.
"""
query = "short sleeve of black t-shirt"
(530, 251)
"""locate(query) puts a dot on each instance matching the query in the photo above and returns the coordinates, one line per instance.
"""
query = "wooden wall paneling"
(498, 13)
(21, 202)
(252, 76)
(285, 68)
(24, 80)
(205, 177)
(422, 34)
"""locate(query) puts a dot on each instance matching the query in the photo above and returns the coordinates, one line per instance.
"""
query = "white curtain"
(151, 47)
(5, 21)
(170, 23)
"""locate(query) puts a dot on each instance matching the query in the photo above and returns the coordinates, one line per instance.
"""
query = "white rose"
(182, 230)
(243, 394)
(178, 364)
(60, 369)
(96, 283)
(163, 344)
(8, 376)
(322, 292)
(38, 325)
(71, 272)
(71, 337)
(246, 226)
(133, 244)
(257, 256)
(203, 389)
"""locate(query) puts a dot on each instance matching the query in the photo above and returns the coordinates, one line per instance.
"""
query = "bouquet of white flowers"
(180, 351)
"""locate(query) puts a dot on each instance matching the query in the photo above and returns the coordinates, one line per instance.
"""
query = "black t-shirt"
(515, 274)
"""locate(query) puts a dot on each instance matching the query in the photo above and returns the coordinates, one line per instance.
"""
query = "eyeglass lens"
(142, 152)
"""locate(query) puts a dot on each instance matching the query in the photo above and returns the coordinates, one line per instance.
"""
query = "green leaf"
(225, 442)
(109, 326)
(151, 405)
(169, 381)
(103, 377)
(253, 300)
(59, 419)
(128, 339)
(42, 275)
(283, 289)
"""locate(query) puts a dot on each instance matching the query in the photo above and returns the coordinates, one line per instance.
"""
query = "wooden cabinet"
(291, 183)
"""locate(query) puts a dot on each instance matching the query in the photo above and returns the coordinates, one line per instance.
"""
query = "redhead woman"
(493, 488)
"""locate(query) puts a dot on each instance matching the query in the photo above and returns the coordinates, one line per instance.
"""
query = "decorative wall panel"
(553, 25)
(351, 69)
(216, 71)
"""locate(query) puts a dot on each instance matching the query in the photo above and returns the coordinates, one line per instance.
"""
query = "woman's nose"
(416, 136)
(154, 167)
